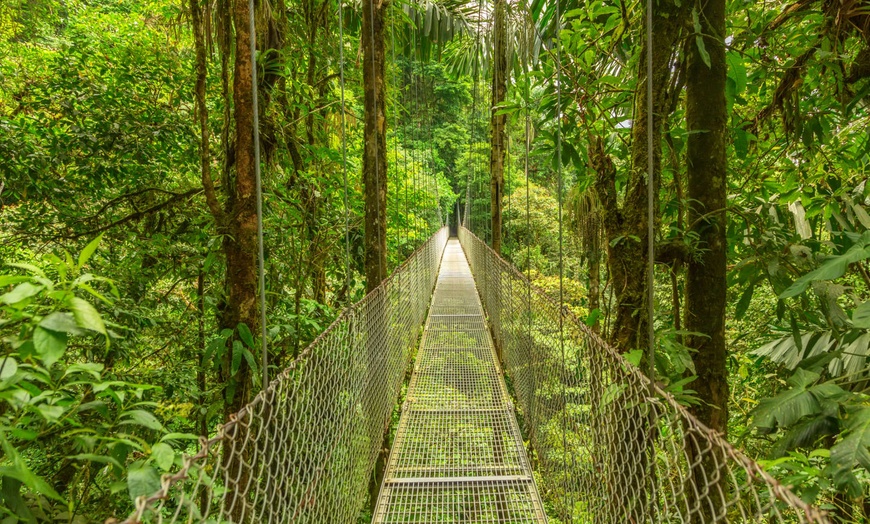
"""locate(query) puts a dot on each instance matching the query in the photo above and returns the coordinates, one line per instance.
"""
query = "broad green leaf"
(142, 418)
(237, 357)
(163, 455)
(8, 367)
(789, 406)
(102, 459)
(61, 322)
(634, 357)
(245, 335)
(179, 436)
(861, 215)
(854, 355)
(833, 268)
(782, 351)
(593, 317)
(252, 363)
(91, 368)
(24, 434)
(699, 38)
(21, 292)
(745, 300)
(35, 483)
(611, 394)
(702, 50)
(88, 251)
(805, 433)
(8, 280)
(49, 412)
(86, 316)
(50, 345)
(737, 70)
(10, 494)
(142, 480)
(30, 268)
(852, 452)
(861, 316)
(95, 293)
(803, 378)
(796, 332)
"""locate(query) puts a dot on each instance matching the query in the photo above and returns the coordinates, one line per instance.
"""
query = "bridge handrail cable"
(629, 457)
(307, 444)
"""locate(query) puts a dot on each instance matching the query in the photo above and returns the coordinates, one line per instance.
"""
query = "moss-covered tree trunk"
(375, 188)
(239, 246)
(237, 219)
(498, 121)
(706, 120)
(240, 243)
(626, 225)
(375, 136)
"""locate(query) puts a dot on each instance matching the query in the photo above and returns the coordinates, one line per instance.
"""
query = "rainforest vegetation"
(129, 316)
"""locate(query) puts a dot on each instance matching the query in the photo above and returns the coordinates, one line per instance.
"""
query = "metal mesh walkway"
(458, 455)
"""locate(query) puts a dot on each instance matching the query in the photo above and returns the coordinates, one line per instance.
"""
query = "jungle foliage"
(120, 329)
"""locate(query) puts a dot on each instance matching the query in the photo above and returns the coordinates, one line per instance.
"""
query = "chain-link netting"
(303, 450)
(608, 447)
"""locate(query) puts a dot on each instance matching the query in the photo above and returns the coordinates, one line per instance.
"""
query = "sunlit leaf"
(142, 480)
(163, 455)
(50, 345)
(88, 251)
(86, 316)
(21, 292)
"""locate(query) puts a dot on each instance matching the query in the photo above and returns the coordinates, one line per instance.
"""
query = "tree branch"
(138, 215)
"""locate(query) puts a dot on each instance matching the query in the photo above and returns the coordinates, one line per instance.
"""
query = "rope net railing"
(303, 450)
(606, 445)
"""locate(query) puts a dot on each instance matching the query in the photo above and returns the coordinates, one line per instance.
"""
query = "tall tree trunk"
(499, 121)
(375, 136)
(240, 244)
(240, 247)
(706, 119)
(375, 188)
(626, 231)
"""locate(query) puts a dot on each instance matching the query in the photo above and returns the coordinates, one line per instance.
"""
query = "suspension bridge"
(510, 409)
(579, 435)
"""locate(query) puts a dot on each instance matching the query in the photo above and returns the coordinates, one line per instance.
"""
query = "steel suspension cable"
(433, 178)
(528, 146)
(404, 229)
(475, 69)
(261, 263)
(560, 183)
(344, 148)
(431, 141)
(418, 165)
(419, 153)
(650, 204)
(469, 208)
(504, 227)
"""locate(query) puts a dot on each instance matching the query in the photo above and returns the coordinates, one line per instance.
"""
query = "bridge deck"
(458, 455)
